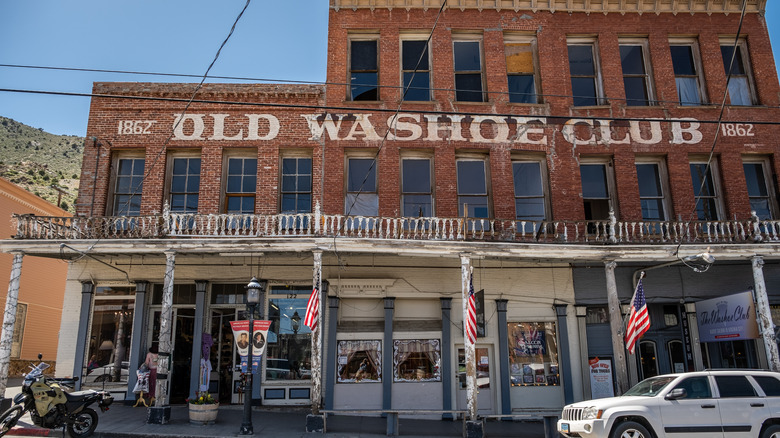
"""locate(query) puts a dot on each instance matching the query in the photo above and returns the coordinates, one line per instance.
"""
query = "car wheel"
(630, 429)
(772, 431)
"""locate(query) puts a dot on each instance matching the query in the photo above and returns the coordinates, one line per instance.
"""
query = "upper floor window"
(706, 191)
(241, 185)
(597, 188)
(361, 198)
(364, 69)
(521, 68)
(651, 175)
(529, 179)
(758, 177)
(296, 185)
(472, 188)
(636, 72)
(468, 70)
(687, 72)
(184, 184)
(416, 68)
(128, 185)
(416, 187)
(741, 89)
(585, 72)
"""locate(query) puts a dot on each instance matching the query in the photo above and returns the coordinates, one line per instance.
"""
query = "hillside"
(37, 160)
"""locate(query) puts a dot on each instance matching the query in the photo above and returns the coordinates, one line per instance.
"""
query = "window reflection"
(417, 360)
(289, 343)
(359, 361)
(109, 343)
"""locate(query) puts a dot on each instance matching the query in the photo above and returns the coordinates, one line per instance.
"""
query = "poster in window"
(529, 341)
(601, 385)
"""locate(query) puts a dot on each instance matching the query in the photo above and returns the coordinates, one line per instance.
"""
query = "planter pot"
(203, 414)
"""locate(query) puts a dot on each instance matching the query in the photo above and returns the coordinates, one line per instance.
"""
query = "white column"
(9, 320)
(765, 322)
(166, 331)
(316, 339)
(471, 364)
(616, 324)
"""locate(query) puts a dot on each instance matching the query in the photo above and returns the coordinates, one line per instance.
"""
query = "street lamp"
(295, 320)
(253, 290)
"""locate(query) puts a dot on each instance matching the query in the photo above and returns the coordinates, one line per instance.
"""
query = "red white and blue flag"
(470, 326)
(313, 307)
(638, 318)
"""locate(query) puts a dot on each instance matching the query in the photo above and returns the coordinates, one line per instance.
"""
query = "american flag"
(470, 327)
(638, 318)
(313, 307)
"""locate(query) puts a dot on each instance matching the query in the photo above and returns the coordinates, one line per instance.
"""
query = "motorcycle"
(51, 407)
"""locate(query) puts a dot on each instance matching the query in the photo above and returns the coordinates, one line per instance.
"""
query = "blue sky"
(273, 40)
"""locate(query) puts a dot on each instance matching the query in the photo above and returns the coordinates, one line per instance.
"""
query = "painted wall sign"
(429, 128)
(728, 318)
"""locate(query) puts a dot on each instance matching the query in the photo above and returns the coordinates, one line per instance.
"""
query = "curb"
(28, 431)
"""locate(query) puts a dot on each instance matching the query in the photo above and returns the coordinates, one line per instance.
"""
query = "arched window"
(649, 358)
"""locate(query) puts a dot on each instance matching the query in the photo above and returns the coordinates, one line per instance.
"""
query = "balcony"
(312, 225)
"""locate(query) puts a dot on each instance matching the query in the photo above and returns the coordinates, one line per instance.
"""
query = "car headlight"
(591, 413)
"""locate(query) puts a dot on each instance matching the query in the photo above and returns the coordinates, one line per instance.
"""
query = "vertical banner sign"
(601, 385)
(257, 341)
(686, 340)
(728, 318)
(479, 301)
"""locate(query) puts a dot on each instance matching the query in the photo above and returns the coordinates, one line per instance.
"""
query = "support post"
(315, 422)
(330, 368)
(9, 320)
(387, 354)
(564, 355)
(616, 324)
(135, 347)
(197, 336)
(160, 413)
(474, 427)
(503, 356)
(446, 351)
(765, 315)
(87, 291)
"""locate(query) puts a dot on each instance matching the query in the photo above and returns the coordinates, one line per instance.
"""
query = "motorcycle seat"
(80, 395)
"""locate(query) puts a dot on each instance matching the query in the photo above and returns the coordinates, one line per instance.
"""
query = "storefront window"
(417, 360)
(359, 361)
(649, 359)
(533, 354)
(228, 294)
(289, 341)
(182, 293)
(109, 342)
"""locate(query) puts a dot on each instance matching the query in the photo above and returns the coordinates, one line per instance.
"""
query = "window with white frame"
(634, 58)
(416, 187)
(364, 67)
(741, 87)
(597, 179)
(240, 185)
(521, 68)
(587, 89)
(529, 175)
(184, 183)
(361, 198)
(706, 190)
(467, 53)
(296, 185)
(687, 72)
(128, 185)
(653, 187)
(473, 196)
(758, 176)
(416, 68)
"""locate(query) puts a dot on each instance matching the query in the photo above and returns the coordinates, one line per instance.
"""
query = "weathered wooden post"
(315, 422)
(765, 315)
(9, 320)
(616, 324)
(474, 427)
(160, 413)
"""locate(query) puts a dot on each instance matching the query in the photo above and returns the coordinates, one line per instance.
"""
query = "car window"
(696, 387)
(769, 384)
(734, 386)
(650, 387)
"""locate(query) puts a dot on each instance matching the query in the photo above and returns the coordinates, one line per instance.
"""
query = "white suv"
(723, 404)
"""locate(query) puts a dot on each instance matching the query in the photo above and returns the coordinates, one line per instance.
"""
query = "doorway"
(484, 379)
(181, 350)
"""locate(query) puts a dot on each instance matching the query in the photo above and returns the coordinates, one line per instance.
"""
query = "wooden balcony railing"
(179, 225)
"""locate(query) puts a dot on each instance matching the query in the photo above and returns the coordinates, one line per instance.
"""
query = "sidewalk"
(127, 422)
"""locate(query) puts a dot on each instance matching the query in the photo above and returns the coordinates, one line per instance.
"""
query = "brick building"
(545, 152)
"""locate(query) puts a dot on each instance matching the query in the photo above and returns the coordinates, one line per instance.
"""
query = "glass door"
(181, 354)
(484, 379)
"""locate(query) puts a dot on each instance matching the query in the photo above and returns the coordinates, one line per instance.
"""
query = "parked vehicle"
(728, 404)
(51, 407)
(107, 373)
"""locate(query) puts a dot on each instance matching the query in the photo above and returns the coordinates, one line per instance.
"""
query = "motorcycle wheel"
(9, 418)
(84, 424)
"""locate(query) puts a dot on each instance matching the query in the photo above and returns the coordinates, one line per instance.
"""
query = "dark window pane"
(192, 203)
(177, 202)
(193, 184)
(636, 91)
(467, 57)
(138, 166)
(632, 60)
(738, 67)
(125, 167)
(288, 183)
(417, 206)
(247, 204)
(476, 206)
(178, 184)
(179, 166)
(652, 210)
(528, 179)
(411, 55)
(688, 91)
(769, 384)
(364, 55)
(416, 176)
(289, 166)
(649, 180)
(288, 203)
(234, 205)
(529, 209)
(594, 180)
(123, 184)
(194, 166)
(234, 184)
(707, 209)
(754, 175)
(364, 86)
(471, 178)
(250, 166)
(581, 61)
(468, 87)
(136, 184)
(698, 173)
(734, 386)
(304, 183)
(584, 90)
(682, 60)
(419, 88)
(304, 166)
(360, 170)
(235, 166)
(304, 203)
(522, 88)
(761, 207)
(249, 184)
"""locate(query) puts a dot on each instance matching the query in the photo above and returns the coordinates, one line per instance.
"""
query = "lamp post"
(253, 290)
(295, 321)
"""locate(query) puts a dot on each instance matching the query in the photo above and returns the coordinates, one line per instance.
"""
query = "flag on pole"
(313, 307)
(471, 314)
(638, 318)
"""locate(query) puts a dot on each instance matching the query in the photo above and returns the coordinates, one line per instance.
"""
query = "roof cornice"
(568, 6)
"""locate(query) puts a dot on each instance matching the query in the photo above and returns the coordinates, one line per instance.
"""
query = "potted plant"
(203, 408)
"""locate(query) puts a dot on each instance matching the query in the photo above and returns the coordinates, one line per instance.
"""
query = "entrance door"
(484, 379)
(222, 353)
(181, 354)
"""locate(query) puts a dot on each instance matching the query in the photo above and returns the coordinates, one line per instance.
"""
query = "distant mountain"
(37, 160)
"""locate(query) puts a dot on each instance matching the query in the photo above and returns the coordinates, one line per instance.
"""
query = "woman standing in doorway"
(151, 362)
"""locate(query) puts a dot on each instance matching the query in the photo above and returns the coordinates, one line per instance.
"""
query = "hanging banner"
(728, 318)
(601, 385)
(257, 341)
